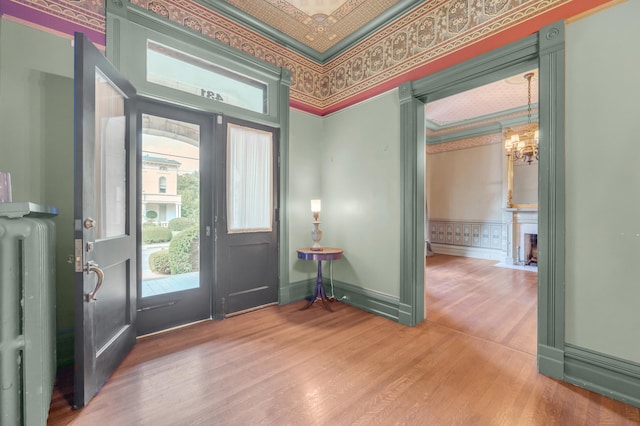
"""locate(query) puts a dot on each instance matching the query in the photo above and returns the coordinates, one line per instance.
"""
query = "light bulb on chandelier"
(524, 145)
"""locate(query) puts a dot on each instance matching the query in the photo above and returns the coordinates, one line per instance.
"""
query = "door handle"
(93, 267)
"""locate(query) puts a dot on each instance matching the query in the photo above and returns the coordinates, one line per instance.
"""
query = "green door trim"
(129, 25)
(546, 51)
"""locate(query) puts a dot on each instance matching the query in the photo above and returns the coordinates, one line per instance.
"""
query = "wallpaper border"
(426, 39)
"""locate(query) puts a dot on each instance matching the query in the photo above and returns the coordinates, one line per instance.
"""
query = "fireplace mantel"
(520, 221)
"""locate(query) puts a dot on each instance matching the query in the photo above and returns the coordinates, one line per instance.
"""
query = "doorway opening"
(176, 273)
(208, 197)
(170, 205)
(469, 207)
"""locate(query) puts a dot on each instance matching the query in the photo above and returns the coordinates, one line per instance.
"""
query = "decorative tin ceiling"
(318, 24)
(489, 100)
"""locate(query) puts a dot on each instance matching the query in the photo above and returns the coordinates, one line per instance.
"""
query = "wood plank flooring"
(471, 363)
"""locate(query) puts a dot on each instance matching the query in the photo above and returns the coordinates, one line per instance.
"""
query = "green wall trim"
(129, 27)
(606, 375)
(294, 292)
(546, 51)
(372, 301)
(284, 185)
(503, 62)
(412, 205)
(551, 361)
(551, 183)
(64, 348)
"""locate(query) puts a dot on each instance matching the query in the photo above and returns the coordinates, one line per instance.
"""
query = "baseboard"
(372, 301)
(473, 252)
(405, 315)
(368, 300)
(551, 361)
(297, 291)
(64, 348)
(616, 378)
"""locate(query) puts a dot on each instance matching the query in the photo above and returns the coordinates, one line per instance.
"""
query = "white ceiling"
(493, 98)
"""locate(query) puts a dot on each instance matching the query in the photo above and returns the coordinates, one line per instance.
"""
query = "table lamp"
(316, 233)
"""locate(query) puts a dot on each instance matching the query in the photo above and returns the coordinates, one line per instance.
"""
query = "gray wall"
(36, 141)
(466, 184)
(602, 181)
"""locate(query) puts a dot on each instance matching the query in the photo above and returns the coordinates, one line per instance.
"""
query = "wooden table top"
(326, 253)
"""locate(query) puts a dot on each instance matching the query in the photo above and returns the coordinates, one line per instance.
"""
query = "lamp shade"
(316, 205)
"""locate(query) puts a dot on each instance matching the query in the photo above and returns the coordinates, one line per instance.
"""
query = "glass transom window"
(178, 70)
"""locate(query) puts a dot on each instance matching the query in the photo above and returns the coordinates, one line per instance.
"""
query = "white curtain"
(249, 179)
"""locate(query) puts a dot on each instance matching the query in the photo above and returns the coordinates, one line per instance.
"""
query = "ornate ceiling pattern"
(319, 24)
(404, 49)
(428, 32)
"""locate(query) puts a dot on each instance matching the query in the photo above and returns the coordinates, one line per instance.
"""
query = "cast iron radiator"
(27, 312)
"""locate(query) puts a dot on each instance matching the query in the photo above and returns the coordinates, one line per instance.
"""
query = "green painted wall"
(360, 170)
(23, 67)
(351, 161)
(305, 184)
(602, 181)
(57, 125)
(36, 142)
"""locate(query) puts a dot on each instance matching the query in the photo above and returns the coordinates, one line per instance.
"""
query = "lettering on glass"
(210, 94)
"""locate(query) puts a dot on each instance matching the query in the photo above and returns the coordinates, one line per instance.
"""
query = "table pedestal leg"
(319, 291)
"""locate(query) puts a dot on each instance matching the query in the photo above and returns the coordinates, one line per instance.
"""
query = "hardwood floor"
(471, 363)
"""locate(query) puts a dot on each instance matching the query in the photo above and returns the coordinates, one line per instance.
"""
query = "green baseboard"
(297, 291)
(613, 377)
(368, 300)
(551, 361)
(64, 348)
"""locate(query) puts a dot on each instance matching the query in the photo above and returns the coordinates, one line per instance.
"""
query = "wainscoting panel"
(482, 239)
(491, 235)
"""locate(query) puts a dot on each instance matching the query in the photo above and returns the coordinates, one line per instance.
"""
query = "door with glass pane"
(175, 158)
(247, 227)
(104, 219)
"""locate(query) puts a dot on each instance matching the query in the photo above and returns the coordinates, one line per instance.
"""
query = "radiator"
(28, 313)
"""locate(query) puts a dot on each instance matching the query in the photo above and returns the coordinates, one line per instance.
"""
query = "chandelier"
(523, 145)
